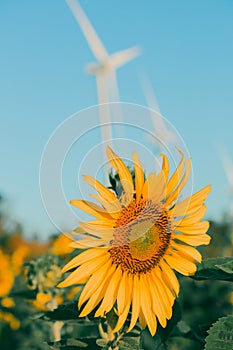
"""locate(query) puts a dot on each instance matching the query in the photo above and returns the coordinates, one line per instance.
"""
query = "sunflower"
(136, 241)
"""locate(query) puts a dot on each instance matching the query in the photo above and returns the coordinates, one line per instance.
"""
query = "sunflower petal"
(103, 191)
(112, 208)
(98, 295)
(177, 175)
(110, 293)
(194, 240)
(168, 294)
(124, 291)
(135, 303)
(161, 180)
(190, 205)
(187, 251)
(98, 231)
(169, 277)
(154, 187)
(198, 228)
(83, 271)
(94, 283)
(145, 300)
(78, 231)
(161, 187)
(84, 257)
(139, 175)
(174, 195)
(157, 300)
(150, 186)
(142, 320)
(89, 242)
(165, 166)
(192, 219)
(123, 171)
(91, 208)
(100, 223)
(181, 264)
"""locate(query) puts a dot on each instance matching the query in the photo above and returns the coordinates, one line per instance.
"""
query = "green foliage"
(227, 266)
(112, 319)
(25, 294)
(69, 344)
(128, 343)
(176, 317)
(125, 343)
(147, 342)
(43, 273)
(221, 239)
(158, 342)
(65, 311)
(215, 269)
(221, 335)
(203, 299)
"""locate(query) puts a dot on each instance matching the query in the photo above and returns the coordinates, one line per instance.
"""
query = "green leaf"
(84, 331)
(176, 317)
(147, 342)
(112, 318)
(75, 342)
(69, 344)
(128, 343)
(135, 332)
(197, 333)
(102, 343)
(26, 294)
(227, 267)
(220, 335)
(215, 269)
(66, 311)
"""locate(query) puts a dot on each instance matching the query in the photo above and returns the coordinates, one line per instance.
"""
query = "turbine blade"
(160, 129)
(91, 36)
(228, 166)
(149, 93)
(120, 58)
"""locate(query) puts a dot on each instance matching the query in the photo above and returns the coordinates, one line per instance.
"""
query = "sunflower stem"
(110, 337)
(103, 334)
(57, 325)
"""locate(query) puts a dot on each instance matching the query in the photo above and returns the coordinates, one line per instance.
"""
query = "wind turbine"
(104, 69)
(160, 129)
(228, 167)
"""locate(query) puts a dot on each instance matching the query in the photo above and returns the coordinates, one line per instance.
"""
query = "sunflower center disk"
(142, 248)
(141, 236)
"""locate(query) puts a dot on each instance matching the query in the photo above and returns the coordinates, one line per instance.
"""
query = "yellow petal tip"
(60, 285)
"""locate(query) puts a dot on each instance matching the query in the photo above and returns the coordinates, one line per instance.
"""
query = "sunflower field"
(129, 279)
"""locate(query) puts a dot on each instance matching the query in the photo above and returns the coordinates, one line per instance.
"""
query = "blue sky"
(187, 53)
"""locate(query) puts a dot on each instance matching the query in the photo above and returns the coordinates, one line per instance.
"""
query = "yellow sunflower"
(136, 241)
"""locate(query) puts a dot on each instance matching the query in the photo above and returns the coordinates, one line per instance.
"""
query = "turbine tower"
(104, 69)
